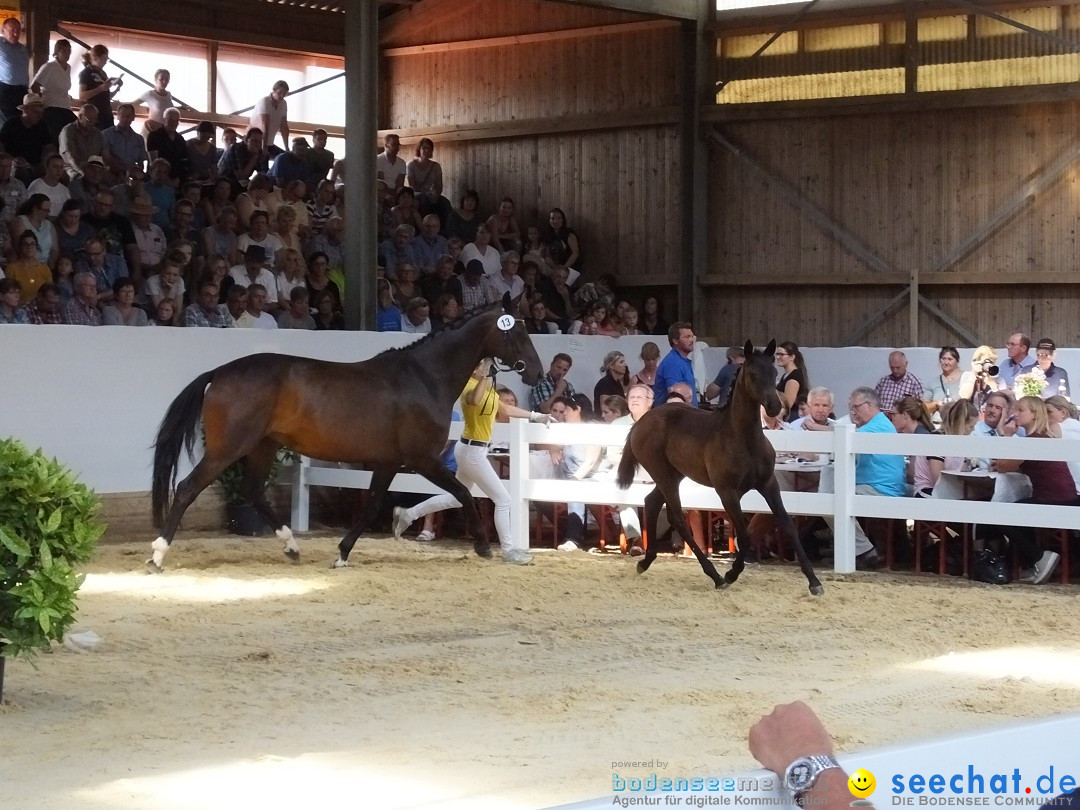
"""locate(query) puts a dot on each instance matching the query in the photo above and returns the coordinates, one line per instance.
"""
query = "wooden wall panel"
(618, 189)
(912, 188)
(534, 80)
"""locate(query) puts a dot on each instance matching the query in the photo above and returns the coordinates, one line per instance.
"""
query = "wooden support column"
(361, 126)
(911, 51)
(211, 75)
(38, 20)
(698, 54)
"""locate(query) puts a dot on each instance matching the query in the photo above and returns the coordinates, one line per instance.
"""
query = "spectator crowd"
(85, 194)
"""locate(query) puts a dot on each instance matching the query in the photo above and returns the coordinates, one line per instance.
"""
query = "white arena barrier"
(843, 504)
(93, 397)
(991, 768)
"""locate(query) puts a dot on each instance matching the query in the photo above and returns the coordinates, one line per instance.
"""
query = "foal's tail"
(177, 432)
(627, 465)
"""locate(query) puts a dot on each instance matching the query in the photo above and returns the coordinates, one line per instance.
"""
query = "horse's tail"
(627, 464)
(177, 432)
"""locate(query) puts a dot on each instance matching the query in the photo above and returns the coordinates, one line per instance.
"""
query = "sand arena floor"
(423, 677)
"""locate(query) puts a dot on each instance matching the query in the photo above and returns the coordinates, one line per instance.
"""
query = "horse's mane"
(457, 324)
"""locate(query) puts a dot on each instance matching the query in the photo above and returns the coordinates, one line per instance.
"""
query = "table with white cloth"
(796, 475)
(982, 485)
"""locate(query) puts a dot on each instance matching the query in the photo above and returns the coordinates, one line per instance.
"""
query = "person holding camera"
(983, 379)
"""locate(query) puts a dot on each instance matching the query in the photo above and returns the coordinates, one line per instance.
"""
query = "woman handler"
(480, 405)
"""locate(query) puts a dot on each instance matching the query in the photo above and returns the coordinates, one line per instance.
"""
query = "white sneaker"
(426, 536)
(1045, 567)
(517, 556)
(569, 545)
(401, 524)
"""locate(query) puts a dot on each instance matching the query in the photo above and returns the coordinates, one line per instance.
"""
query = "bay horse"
(387, 412)
(725, 449)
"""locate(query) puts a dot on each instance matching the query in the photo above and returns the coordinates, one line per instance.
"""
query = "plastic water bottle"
(1062, 392)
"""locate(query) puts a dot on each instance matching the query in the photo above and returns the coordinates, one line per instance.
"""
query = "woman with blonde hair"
(1051, 483)
(289, 271)
(285, 225)
(616, 379)
(1064, 414)
(982, 380)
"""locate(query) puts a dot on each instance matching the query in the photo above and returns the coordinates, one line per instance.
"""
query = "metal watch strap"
(820, 763)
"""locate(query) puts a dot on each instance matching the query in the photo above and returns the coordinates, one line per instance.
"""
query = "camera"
(989, 368)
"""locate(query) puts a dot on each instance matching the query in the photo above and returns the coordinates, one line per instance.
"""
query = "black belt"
(475, 443)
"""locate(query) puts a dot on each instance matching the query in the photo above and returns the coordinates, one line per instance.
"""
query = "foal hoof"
(152, 567)
(483, 549)
(817, 590)
(293, 554)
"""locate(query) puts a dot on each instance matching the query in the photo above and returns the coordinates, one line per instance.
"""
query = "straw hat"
(32, 100)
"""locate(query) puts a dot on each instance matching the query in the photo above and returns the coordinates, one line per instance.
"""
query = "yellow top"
(479, 419)
(30, 275)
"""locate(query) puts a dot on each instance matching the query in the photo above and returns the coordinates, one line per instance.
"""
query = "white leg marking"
(285, 535)
(160, 547)
(340, 563)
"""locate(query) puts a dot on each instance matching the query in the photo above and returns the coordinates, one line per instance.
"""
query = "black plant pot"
(244, 519)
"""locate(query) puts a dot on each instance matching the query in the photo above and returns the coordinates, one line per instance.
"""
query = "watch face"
(800, 775)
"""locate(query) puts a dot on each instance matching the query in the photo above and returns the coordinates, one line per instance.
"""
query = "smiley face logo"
(861, 783)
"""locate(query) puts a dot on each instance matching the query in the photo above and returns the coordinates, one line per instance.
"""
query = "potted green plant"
(48, 525)
(240, 516)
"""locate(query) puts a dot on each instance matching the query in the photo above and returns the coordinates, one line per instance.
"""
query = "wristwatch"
(801, 774)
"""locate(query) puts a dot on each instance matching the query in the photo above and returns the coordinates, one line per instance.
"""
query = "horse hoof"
(641, 569)
(483, 550)
(817, 590)
(152, 567)
(293, 554)
(722, 584)
(338, 563)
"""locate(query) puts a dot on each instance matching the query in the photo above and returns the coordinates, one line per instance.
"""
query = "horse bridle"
(518, 367)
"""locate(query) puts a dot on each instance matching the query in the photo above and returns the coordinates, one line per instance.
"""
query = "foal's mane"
(734, 381)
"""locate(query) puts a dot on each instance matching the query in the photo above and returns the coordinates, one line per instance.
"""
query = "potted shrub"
(240, 516)
(48, 525)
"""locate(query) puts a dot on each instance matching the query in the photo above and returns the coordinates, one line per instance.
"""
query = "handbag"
(990, 568)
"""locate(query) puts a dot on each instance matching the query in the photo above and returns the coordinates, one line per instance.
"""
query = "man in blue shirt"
(1018, 345)
(875, 473)
(14, 68)
(676, 367)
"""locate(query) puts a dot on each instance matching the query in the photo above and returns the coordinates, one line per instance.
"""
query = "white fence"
(843, 505)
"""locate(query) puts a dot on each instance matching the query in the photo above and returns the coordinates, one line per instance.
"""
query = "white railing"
(842, 505)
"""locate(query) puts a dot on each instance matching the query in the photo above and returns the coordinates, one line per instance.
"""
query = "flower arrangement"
(1031, 384)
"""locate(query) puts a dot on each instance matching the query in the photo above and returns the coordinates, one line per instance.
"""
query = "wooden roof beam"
(678, 9)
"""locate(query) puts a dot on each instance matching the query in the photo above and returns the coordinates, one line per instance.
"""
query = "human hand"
(560, 386)
(541, 418)
(790, 731)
